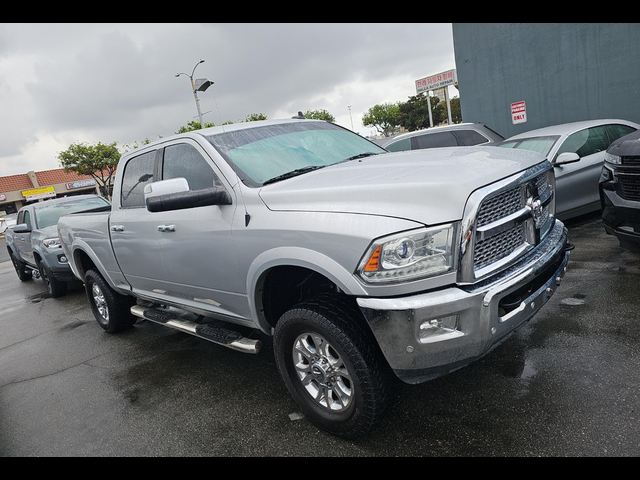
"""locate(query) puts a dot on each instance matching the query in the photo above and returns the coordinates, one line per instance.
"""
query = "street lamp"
(200, 85)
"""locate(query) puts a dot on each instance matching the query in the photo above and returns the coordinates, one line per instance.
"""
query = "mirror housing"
(21, 228)
(566, 158)
(172, 196)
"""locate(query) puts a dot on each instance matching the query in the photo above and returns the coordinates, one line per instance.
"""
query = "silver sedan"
(577, 151)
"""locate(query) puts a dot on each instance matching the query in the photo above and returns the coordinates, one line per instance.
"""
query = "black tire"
(358, 392)
(55, 287)
(110, 309)
(24, 274)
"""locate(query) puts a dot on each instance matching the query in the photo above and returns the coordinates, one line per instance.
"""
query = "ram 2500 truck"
(365, 266)
(33, 243)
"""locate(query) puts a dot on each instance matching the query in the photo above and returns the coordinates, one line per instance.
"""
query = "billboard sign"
(81, 184)
(439, 80)
(37, 193)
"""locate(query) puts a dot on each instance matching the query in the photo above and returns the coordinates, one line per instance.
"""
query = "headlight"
(615, 159)
(51, 242)
(411, 255)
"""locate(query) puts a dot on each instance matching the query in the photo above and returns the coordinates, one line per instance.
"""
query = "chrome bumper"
(428, 335)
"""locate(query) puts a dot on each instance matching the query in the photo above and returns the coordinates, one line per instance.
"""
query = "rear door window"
(469, 137)
(434, 140)
(615, 131)
(400, 145)
(185, 161)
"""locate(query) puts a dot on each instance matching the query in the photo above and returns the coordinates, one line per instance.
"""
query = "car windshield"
(274, 152)
(49, 213)
(541, 145)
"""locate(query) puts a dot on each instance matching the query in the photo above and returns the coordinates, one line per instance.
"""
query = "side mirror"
(187, 199)
(165, 187)
(21, 228)
(565, 158)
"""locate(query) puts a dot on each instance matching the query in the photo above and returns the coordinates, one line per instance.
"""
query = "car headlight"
(51, 242)
(615, 159)
(411, 255)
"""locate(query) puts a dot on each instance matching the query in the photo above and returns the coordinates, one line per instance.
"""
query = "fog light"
(438, 329)
(62, 259)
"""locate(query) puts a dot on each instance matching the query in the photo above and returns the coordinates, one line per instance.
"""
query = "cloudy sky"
(69, 83)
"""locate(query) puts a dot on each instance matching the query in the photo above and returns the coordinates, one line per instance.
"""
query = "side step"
(221, 336)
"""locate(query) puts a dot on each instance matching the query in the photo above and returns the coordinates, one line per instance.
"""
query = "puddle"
(38, 297)
(577, 299)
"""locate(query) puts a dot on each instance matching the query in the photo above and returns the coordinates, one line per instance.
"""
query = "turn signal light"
(374, 260)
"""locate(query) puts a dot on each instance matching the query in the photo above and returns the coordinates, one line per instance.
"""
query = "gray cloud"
(115, 82)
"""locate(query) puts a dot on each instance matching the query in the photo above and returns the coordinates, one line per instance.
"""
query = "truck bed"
(91, 228)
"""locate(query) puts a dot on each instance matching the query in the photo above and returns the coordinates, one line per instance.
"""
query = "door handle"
(117, 228)
(166, 228)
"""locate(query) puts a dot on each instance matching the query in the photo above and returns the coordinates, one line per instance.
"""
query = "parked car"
(620, 190)
(7, 221)
(359, 262)
(33, 242)
(577, 151)
(461, 134)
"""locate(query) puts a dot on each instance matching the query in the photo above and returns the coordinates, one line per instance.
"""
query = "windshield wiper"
(360, 155)
(292, 173)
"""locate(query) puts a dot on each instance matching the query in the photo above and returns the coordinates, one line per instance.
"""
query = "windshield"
(267, 152)
(541, 145)
(49, 213)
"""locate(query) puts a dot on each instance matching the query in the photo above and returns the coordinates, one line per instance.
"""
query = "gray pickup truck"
(33, 242)
(365, 266)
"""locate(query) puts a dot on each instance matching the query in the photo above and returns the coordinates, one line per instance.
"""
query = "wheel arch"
(281, 277)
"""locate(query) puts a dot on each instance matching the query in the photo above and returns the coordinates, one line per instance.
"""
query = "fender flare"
(296, 257)
(83, 247)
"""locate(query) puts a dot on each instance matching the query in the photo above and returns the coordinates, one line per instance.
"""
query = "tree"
(99, 161)
(194, 125)
(255, 117)
(321, 114)
(383, 118)
(456, 111)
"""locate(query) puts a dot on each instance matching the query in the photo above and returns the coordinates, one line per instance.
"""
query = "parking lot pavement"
(566, 384)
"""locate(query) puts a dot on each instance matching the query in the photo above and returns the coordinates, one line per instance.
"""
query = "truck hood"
(428, 186)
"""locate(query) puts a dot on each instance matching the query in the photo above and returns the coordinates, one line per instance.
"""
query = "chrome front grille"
(504, 220)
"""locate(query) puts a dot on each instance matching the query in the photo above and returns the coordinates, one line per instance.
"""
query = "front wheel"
(24, 274)
(332, 367)
(110, 309)
(55, 287)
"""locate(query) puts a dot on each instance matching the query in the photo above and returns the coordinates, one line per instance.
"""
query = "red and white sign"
(518, 112)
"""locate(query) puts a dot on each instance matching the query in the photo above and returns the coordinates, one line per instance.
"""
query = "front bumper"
(485, 314)
(621, 217)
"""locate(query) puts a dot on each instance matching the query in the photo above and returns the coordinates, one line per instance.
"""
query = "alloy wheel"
(322, 372)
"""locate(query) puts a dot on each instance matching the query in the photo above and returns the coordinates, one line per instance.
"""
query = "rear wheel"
(22, 271)
(110, 309)
(332, 367)
(55, 287)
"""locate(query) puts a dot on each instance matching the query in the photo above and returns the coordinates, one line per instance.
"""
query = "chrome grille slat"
(499, 246)
(500, 206)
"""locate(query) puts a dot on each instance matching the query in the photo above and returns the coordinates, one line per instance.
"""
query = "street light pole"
(202, 85)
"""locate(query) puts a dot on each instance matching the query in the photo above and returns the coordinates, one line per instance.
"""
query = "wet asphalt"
(566, 384)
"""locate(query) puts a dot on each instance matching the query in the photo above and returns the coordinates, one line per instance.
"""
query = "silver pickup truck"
(365, 266)
(33, 244)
